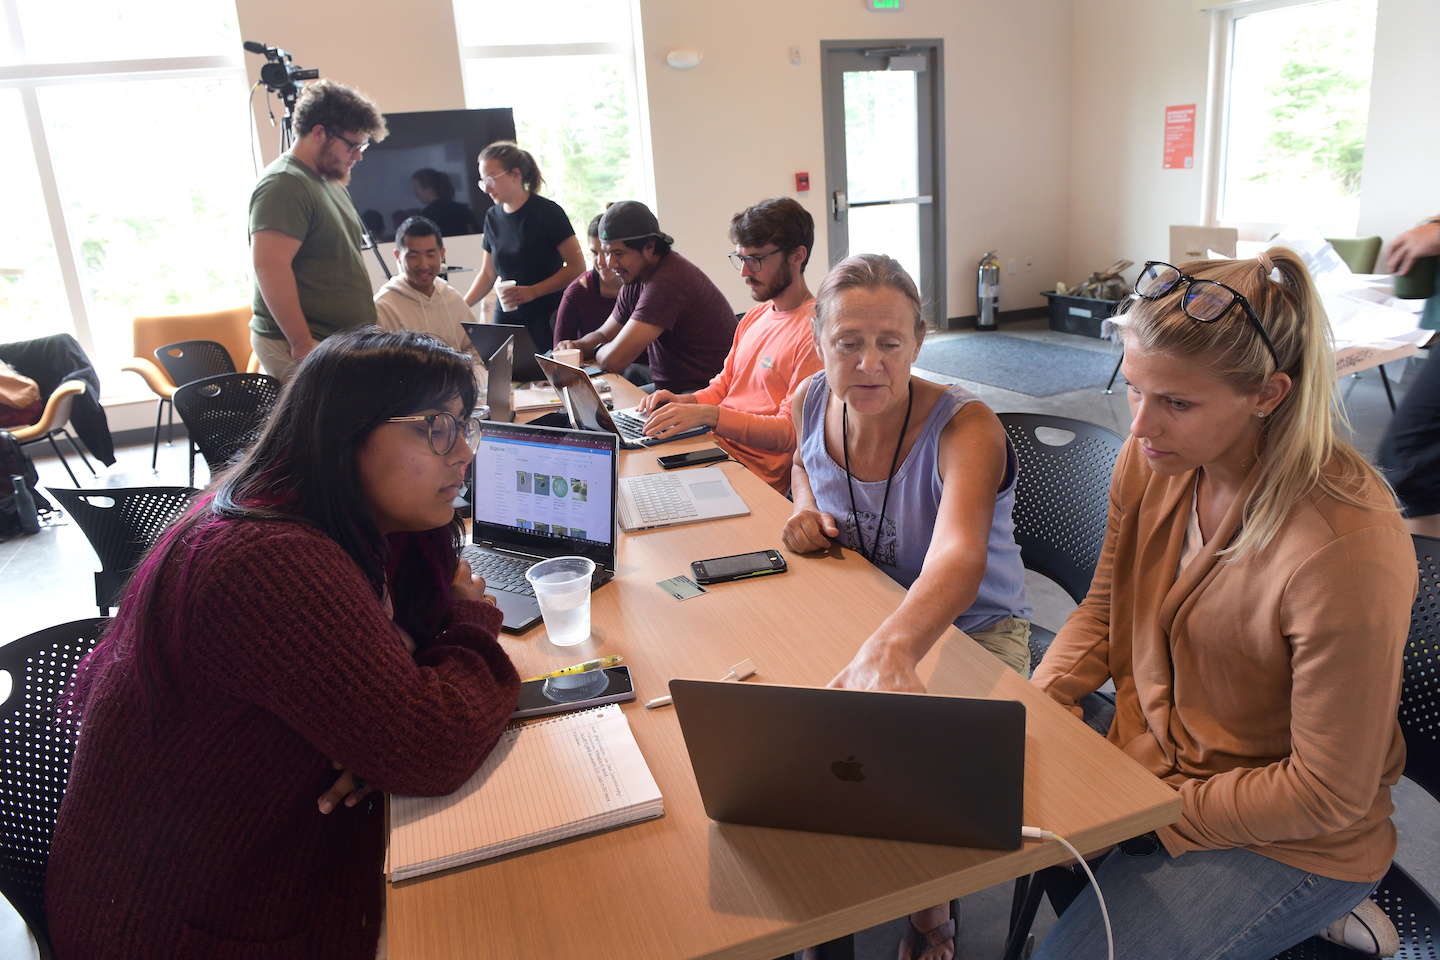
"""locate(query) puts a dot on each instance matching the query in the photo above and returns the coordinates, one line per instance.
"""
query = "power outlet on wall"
(1029, 264)
(1012, 265)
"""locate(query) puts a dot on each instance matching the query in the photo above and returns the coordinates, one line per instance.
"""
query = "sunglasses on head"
(1204, 301)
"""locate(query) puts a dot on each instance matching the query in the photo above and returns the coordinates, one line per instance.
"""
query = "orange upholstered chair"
(230, 328)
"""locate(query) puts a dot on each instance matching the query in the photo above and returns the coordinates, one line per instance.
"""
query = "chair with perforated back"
(1062, 500)
(229, 328)
(225, 414)
(1413, 911)
(36, 740)
(121, 523)
(189, 360)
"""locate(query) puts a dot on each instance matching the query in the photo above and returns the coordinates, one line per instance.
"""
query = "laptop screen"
(546, 491)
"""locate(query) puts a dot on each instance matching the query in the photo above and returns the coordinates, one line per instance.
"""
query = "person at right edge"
(305, 236)
(1409, 453)
(1252, 603)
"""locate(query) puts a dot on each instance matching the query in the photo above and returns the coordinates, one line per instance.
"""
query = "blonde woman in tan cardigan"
(1251, 604)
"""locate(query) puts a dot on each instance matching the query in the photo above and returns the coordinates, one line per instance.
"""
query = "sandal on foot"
(1366, 930)
(921, 942)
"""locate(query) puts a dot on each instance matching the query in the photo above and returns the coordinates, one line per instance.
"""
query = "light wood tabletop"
(686, 886)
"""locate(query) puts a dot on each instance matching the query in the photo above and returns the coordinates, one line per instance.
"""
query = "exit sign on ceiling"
(885, 6)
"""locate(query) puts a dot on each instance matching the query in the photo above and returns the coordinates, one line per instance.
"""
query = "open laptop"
(497, 389)
(587, 411)
(540, 492)
(487, 338)
(900, 766)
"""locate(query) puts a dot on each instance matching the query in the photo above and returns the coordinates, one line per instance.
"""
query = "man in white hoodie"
(420, 299)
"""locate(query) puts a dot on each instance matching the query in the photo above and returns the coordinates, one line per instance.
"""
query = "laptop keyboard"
(504, 573)
(630, 427)
(659, 496)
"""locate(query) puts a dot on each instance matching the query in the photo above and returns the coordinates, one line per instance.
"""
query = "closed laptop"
(898, 766)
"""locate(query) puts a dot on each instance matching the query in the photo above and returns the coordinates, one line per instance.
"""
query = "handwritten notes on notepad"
(544, 781)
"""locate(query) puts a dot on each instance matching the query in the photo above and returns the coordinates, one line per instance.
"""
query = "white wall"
(1400, 185)
(404, 57)
(738, 127)
(1132, 59)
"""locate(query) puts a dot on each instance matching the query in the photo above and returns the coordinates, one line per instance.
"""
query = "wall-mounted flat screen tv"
(428, 166)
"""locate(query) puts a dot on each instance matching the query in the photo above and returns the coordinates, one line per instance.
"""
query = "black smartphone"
(540, 698)
(738, 567)
(693, 459)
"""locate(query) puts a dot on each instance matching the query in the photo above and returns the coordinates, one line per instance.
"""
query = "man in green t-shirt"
(305, 237)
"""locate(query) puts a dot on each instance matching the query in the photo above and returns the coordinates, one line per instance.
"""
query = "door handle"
(838, 205)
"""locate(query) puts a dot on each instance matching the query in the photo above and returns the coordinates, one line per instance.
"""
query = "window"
(568, 69)
(1297, 99)
(127, 171)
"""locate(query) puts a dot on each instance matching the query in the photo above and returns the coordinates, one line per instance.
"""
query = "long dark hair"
(302, 470)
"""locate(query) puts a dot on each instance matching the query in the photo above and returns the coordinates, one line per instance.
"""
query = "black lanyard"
(885, 503)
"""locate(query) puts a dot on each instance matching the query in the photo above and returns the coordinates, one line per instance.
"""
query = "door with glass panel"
(884, 165)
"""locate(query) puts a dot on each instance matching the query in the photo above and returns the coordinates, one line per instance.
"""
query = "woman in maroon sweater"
(307, 615)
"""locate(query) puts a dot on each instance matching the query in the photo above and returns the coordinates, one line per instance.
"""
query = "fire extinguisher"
(987, 292)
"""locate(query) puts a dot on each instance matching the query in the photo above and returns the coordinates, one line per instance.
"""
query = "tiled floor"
(46, 579)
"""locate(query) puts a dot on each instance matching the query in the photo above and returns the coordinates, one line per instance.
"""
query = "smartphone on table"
(693, 459)
(576, 691)
(739, 567)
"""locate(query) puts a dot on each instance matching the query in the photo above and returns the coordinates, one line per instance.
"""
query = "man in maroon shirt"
(667, 309)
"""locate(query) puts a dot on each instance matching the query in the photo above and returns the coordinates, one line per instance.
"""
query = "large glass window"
(568, 70)
(1297, 104)
(127, 158)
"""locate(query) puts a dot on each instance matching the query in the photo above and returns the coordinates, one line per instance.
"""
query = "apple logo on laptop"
(847, 769)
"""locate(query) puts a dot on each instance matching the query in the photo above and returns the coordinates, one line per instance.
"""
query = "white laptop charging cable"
(743, 670)
(1035, 833)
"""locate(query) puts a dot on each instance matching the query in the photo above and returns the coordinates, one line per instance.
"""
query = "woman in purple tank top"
(920, 480)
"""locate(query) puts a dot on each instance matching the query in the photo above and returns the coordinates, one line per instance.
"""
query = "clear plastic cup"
(562, 587)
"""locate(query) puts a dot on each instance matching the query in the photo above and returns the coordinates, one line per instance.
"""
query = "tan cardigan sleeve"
(1346, 615)
(1078, 661)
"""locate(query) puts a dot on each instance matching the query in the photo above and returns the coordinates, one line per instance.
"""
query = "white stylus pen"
(743, 670)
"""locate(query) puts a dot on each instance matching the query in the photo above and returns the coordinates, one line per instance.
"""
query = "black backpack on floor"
(14, 462)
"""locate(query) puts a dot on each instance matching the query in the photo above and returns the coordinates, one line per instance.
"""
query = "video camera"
(280, 76)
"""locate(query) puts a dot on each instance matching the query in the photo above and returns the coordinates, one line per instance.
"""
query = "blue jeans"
(1205, 905)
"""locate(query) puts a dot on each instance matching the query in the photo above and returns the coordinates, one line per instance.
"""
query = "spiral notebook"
(545, 780)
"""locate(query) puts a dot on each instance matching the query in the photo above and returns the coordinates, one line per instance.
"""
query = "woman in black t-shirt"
(528, 240)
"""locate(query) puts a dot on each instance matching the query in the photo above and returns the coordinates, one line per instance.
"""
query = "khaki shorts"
(1009, 640)
(274, 356)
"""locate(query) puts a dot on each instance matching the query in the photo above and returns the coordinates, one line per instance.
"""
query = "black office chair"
(121, 523)
(225, 414)
(36, 740)
(1062, 500)
(1415, 914)
(185, 361)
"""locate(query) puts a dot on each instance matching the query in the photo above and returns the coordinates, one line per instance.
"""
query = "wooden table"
(685, 886)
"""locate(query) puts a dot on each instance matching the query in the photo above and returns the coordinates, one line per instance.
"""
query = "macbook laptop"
(487, 338)
(900, 766)
(587, 411)
(540, 492)
(498, 375)
(684, 496)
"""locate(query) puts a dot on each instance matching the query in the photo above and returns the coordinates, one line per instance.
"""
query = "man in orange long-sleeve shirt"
(747, 404)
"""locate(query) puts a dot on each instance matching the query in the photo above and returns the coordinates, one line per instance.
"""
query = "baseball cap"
(630, 220)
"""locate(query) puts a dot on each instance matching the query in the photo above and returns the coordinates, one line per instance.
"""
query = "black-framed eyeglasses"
(742, 261)
(354, 147)
(443, 430)
(1203, 300)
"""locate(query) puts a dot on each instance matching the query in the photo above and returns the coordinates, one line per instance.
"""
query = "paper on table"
(545, 780)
